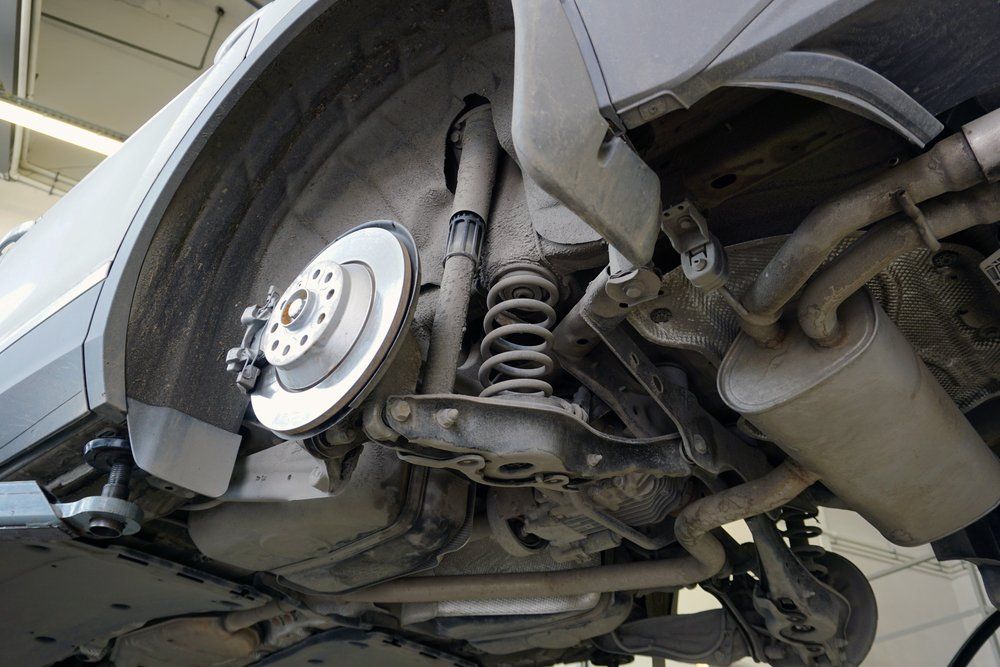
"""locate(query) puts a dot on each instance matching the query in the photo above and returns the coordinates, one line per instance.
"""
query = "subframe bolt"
(633, 291)
(446, 417)
(700, 445)
(400, 410)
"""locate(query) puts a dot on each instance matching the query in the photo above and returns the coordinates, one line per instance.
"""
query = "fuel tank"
(870, 419)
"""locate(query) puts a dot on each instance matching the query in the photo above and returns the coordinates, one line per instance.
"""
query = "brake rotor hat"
(334, 327)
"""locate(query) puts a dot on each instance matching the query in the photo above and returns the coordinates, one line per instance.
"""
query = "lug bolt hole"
(327, 277)
(302, 341)
(315, 274)
(287, 348)
(274, 345)
(322, 316)
(329, 295)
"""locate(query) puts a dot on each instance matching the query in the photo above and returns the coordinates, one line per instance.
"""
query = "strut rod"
(473, 192)
(692, 529)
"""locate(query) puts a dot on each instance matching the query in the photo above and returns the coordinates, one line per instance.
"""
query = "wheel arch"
(185, 270)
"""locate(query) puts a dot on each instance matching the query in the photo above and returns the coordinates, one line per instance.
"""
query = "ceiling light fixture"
(59, 126)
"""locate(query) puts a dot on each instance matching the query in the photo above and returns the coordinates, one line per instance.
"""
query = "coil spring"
(518, 341)
(799, 533)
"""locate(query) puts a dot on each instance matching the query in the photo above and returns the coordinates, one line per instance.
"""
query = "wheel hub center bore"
(318, 320)
(298, 303)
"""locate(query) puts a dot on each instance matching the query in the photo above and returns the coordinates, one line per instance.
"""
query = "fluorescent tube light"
(37, 120)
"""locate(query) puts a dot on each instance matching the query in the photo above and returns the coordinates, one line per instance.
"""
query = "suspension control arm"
(517, 442)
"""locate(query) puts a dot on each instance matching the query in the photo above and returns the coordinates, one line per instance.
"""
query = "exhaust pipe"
(965, 159)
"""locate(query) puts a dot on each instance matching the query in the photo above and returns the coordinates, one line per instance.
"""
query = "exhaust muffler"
(869, 418)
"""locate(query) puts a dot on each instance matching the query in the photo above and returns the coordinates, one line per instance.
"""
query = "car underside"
(432, 357)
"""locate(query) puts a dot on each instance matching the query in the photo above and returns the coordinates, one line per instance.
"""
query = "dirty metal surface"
(961, 349)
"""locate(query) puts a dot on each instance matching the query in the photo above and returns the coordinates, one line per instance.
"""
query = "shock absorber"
(799, 533)
(467, 228)
(517, 347)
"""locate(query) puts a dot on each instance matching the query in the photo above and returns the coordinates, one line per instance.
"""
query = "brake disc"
(335, 329)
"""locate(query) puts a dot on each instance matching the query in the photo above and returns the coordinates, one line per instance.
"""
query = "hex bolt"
(633, 291)
(400, 410)
(447, 417)
(114, 456)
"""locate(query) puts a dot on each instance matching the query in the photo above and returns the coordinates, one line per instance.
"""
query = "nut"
(446, 417)
(400, 410)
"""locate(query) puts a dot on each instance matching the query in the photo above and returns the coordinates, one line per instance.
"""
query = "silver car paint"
(57, 270)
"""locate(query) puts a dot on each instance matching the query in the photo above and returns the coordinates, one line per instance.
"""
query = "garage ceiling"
(112, 63)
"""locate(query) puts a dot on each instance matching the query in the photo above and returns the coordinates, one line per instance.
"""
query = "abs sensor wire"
(976, 640)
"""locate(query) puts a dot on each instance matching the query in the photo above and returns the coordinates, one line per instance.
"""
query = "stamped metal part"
(27, 514)
(703, 258)
(101, 516)
(514, 443)
(335, 328)
(809, 616)
(596, 319)
(991, 267)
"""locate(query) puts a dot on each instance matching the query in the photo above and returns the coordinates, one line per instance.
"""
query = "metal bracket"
(25, 513)
(706, 443)
(79, 514)
(991, 267)
(703, 259)
(913, 212)
(634, 287)
(801, 611)
(247, 359)
(282, 472)
(516, 443)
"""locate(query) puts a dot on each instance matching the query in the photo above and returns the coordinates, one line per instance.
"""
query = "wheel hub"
(334, 328)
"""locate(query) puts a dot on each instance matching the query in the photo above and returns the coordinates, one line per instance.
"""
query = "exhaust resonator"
(869, 418)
